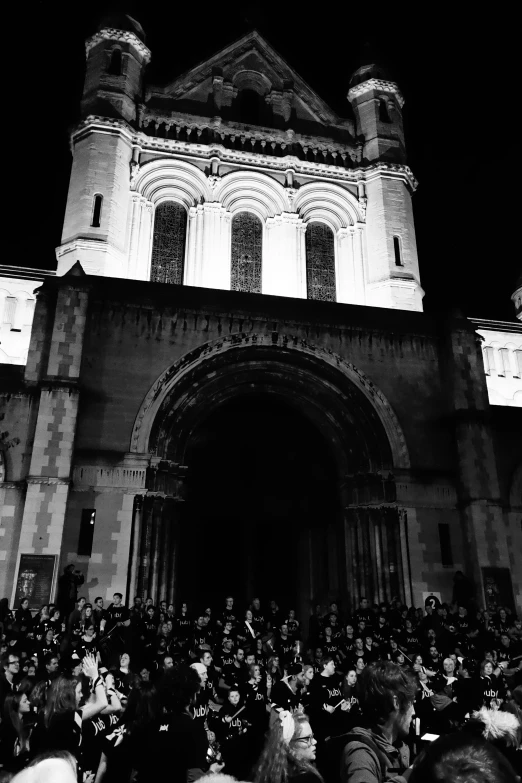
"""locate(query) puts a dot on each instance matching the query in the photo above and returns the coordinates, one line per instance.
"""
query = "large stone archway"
(366, 551)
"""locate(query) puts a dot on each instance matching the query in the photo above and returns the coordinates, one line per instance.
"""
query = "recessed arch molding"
(353, 414)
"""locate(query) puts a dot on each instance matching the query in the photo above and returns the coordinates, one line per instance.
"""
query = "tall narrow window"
(247, 250)
(96, 210)
(320, 262)
(168, 246)
(86, 531)
(518, 364)
(446, 555)
(397, 251)
(115, 63)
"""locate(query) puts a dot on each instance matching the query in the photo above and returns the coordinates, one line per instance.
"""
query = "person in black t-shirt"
(234, 675)
(118, 621)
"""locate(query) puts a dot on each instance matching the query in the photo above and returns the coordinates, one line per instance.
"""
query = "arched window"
(384, 111)
(168, 245)
(320, 262)
(246, 256)
(96, 210)
(115, 63)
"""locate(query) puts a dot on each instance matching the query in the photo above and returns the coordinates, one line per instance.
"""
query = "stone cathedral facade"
(230, 383)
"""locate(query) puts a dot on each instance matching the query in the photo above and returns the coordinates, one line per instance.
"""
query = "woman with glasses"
(289, 753)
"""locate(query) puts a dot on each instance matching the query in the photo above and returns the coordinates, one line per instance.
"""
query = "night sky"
(456, 71)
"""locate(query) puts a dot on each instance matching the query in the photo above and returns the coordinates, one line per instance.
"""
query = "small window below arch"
(246, 255)
(168, 244)
(397, 251)
(97, 210)
(384, 111)
(320, 262)
(250, 108)
(115, 63)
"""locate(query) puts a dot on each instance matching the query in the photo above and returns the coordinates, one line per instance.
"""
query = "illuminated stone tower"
(94, 230)
(393, 266)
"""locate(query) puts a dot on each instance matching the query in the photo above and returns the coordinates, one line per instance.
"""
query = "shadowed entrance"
(260, 477)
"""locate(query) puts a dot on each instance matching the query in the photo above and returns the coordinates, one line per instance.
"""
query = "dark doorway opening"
(262, 486)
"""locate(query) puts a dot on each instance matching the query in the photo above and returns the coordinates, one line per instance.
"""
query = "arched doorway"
(260, 479)
(240, 403)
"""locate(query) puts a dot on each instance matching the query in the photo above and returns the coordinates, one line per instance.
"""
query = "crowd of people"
(146, 693)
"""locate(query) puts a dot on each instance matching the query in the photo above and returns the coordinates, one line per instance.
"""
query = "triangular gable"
(250, 53)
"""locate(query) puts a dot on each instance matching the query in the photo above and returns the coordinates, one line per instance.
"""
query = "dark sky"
(456, 70)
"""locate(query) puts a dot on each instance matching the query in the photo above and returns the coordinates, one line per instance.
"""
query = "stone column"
(478, 484)
(282, 256)
(58, 364)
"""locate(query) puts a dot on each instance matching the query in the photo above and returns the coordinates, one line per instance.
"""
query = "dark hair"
(12, 716)
(143, 707)
(178, 687)
(118, 594)
(461, 758)
(98, 599)
(381, 683)
(50, 656)
(61, 698)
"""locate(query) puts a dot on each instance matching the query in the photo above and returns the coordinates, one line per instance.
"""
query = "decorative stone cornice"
(192, 123)
(379, 85)
(47, 480)
(189, 149)
(121, 36)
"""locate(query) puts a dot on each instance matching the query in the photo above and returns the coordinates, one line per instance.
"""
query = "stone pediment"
(250, 65)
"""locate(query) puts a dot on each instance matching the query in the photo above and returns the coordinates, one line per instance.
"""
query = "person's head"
(201, 621)
(150, 611)
(349, 630)
(351, 677)
(256, 604)
(250, 658)
(328, 666)
(284, 629)
(117, 599)
(389, 693)
(449, 667)
(98, 602)
(16, 705)
(328, 632)
(201, 671)
(234, 697)
(227, 644)
(364, 604)
(486, 668)
(24, 603)
(504, 639)
(308, 673)
(138, 602)
(164, 629)
(205, 657)
(124, 660)
(51, 663)
(359, 643)
(149, 602)
(81, 603)
(229, 603)
(461, 757)
(249, 616)
(11, 665)
(368, 640)
(417, 660)
(58, 766)
(168, 662)
(290, 748)
(64, 695)
(240, 655)
(178, 688)
(254, 671)
(145, 674)
(163, 606)
(433, 651)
